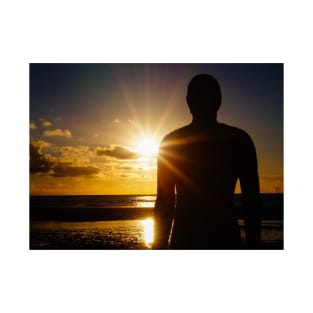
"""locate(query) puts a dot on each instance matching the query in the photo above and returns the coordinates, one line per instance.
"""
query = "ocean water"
(121, 222)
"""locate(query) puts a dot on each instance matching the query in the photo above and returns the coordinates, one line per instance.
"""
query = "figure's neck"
(205, 121)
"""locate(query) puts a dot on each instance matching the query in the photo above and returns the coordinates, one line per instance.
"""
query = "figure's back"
(204, 166)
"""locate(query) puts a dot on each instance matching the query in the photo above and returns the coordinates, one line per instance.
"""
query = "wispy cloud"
(32, 125)
(48, 159)
(132, 122)
(45, 123)
(57, 133)
(38, 163)
(69, 170)
(118, 152)
(40, 145)
(46, 164)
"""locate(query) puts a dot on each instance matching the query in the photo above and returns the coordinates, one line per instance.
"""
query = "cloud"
(32, 125)
(40, 144)
(118, 152)
(38, 163)
(45, 123)
(68, 170)
(132, 122)
(128, 168)
(75, 151)
(57, 133)
(46, 164)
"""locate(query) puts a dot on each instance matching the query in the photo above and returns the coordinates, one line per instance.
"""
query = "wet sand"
(120, 234)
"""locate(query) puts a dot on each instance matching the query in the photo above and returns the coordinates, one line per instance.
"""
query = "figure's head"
(203, 95)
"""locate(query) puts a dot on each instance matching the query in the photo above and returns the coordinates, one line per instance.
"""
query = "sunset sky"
(94, 128)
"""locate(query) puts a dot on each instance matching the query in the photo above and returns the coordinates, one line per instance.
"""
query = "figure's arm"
(250, 190)
(165, 202)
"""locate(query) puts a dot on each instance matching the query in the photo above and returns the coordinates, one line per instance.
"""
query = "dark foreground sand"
(120, 234)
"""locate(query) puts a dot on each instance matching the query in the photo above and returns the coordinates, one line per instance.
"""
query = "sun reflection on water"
(147, 204)
(145, 201)
(148, 231)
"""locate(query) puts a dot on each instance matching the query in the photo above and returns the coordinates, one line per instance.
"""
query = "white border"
(135, 31)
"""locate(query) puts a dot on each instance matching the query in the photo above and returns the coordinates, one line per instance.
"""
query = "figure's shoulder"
(233, 131)
(177, 133)
(239, 138)
(221, 130)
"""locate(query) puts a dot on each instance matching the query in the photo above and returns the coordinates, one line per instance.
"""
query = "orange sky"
(88, 122)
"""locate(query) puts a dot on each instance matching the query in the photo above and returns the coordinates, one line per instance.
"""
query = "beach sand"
(120, 234)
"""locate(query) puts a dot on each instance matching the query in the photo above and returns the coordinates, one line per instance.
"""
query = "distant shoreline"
(90, 214)
(116, 213)
(102, 208)
(122, 195)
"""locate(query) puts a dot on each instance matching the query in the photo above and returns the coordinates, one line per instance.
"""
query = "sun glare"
(147, 146)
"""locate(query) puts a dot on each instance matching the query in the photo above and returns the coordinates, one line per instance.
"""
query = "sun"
(147, 146)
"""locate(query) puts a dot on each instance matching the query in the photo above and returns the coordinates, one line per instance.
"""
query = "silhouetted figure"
(198, 167)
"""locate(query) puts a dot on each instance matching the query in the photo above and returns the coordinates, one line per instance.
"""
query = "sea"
(123, 222)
